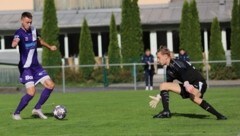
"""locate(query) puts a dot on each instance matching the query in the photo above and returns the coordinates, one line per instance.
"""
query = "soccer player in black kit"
(192, 85)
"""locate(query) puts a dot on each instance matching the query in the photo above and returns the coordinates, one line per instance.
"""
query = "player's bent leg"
(173, 87)
(31, 90)
(39, 113)
(206, 106)
(151, 81)
(146, 80)
(195, 96)
(164, 88)
(48, 83)
(25, 100)
(49, 86)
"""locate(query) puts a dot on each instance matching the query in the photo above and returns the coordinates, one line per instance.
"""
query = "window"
(0, 42)
(8, 42)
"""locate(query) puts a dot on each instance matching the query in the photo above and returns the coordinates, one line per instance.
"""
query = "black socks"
(165, 100)
(206, 106)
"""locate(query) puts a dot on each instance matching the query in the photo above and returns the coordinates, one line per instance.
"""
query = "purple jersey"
(29, 67)
(27, 47)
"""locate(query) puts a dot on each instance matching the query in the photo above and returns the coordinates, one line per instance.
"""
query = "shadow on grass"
(189, 115)
(49, 115)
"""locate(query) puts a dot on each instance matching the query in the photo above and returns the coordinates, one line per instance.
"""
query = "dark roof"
(150, 15)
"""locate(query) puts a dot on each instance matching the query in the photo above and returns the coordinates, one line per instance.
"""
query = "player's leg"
(164, 88)
(48, 88)
(25, 100)
(151, 80)
(42, 77)
(205, 105)
(196, 95)
(146, 79)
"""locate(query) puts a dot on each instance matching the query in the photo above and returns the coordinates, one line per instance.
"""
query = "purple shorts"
(33, 74)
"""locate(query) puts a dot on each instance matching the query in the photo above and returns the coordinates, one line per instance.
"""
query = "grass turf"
(123, 113)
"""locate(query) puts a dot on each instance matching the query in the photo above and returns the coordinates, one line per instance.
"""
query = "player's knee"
(50, 85)
(163, 86)
(195, 99)
(31, 91)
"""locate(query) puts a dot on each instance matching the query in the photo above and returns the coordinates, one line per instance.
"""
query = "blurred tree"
(235, 36)
(113, 48)
(137, 28)
(190, 33)
(86, 55)
(195, 34)
(216, 51)
(184, 32)
(131, 32)
(50, 33)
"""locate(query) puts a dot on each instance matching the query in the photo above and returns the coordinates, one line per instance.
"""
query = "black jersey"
(183, 71)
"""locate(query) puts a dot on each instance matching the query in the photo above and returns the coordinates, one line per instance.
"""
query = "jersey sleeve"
(17, 35)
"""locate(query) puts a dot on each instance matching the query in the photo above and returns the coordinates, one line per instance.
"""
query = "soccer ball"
(59, 112)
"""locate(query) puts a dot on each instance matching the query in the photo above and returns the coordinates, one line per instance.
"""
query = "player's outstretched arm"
(50, 47)
(15, 42)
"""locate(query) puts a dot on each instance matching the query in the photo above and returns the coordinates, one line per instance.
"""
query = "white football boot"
(16, 117)
(39, 113)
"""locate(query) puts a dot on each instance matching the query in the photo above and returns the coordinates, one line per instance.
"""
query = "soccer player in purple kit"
(31, 72)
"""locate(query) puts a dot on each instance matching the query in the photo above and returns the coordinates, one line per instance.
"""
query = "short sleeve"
(17, 35)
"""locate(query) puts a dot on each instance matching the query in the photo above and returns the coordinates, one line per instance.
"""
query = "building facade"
(160, 22)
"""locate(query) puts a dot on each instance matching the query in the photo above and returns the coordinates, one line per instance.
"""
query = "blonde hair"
(164, 51)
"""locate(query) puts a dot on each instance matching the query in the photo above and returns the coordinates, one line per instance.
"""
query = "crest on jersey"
(26, 38)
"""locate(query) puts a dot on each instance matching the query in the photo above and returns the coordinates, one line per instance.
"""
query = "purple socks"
(43, 98)
(23, 103)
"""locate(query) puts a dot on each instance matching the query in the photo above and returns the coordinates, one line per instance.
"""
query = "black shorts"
(200, 85)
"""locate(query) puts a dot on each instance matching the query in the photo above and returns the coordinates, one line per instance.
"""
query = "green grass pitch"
(123, 113)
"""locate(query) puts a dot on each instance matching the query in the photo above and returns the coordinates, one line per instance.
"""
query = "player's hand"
(155, 100)
(53, 48)
(189, 88)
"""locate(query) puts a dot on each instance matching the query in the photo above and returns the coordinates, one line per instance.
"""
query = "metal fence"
(68, 78)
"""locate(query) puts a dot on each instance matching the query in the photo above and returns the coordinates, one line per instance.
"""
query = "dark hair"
(26, 14)
(147, 50)
(181, 49)
(164, 50)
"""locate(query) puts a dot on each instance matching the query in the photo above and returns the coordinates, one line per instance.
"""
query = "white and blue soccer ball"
(59, 112)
